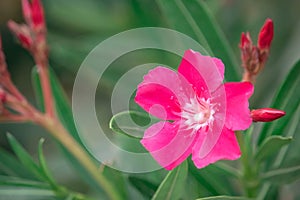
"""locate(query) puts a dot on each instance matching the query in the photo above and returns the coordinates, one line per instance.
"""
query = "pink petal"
(168, 144)
(226, 148)
(203, 72)
(158, 93)
(220, 66)
(162, 76)
(238, 114)
(158, 101)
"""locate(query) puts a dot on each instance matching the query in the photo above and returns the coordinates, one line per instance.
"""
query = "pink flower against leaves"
(199, 113)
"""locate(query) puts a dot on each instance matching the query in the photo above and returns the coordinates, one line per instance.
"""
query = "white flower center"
(197, 114)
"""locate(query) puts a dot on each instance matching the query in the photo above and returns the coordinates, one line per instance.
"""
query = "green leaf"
(25, 158)
(270, 146)
(145, 187)
(14, 181)
(9, 165)
(224, 198)
(283, 175)
(25, 192)
(44, 167)
(131, 123)
(117, 179)
(194, 19)
(172, 185)
(287, 99)
(214, 178)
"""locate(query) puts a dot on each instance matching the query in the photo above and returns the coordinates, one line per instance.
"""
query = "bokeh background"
(76, 27)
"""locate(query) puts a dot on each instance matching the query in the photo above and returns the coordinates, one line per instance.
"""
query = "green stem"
(60, 133)
(250, 176)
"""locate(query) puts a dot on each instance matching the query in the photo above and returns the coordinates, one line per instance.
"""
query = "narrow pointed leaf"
(44, 166)
(25, 192)
(9, 165)
(173, 184)
(271, 146)
(287, 99)
(14, 181)
(25, 158)
(284, 175)
(225, 198)
(145, 187)
(214, 178)
(194, 19)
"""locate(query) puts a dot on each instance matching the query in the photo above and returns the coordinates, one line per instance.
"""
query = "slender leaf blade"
(194, 19)
(287, 99)
(25, 158)
(25, 192)
(283, 175)
(214, 178)
(171, 187)
(270, 146)
(145, 187)
(44, 167)
(9, 165)
(225, 198)
(20, 182)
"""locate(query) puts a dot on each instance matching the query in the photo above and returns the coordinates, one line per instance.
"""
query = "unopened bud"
(22, 32)
(266, 114)
(2, 95)
(246, 41)
(37, 15)
(265, 36)
(26, 11)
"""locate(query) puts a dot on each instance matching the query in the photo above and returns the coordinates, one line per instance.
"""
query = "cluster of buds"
(254, 57)
(32, 34)
(13, 105)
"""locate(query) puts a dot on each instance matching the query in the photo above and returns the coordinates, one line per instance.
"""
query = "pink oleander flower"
(199, 112)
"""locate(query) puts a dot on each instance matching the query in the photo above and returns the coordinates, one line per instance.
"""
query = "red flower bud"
(26, 11)
(0, 43)
(245, 40)
(34, 14)
(22, 32)
(266, 34)
(266, 114)
(2, 60)
(37, 15)
(2, 95)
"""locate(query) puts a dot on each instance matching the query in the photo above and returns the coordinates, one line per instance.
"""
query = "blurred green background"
(76, 27)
